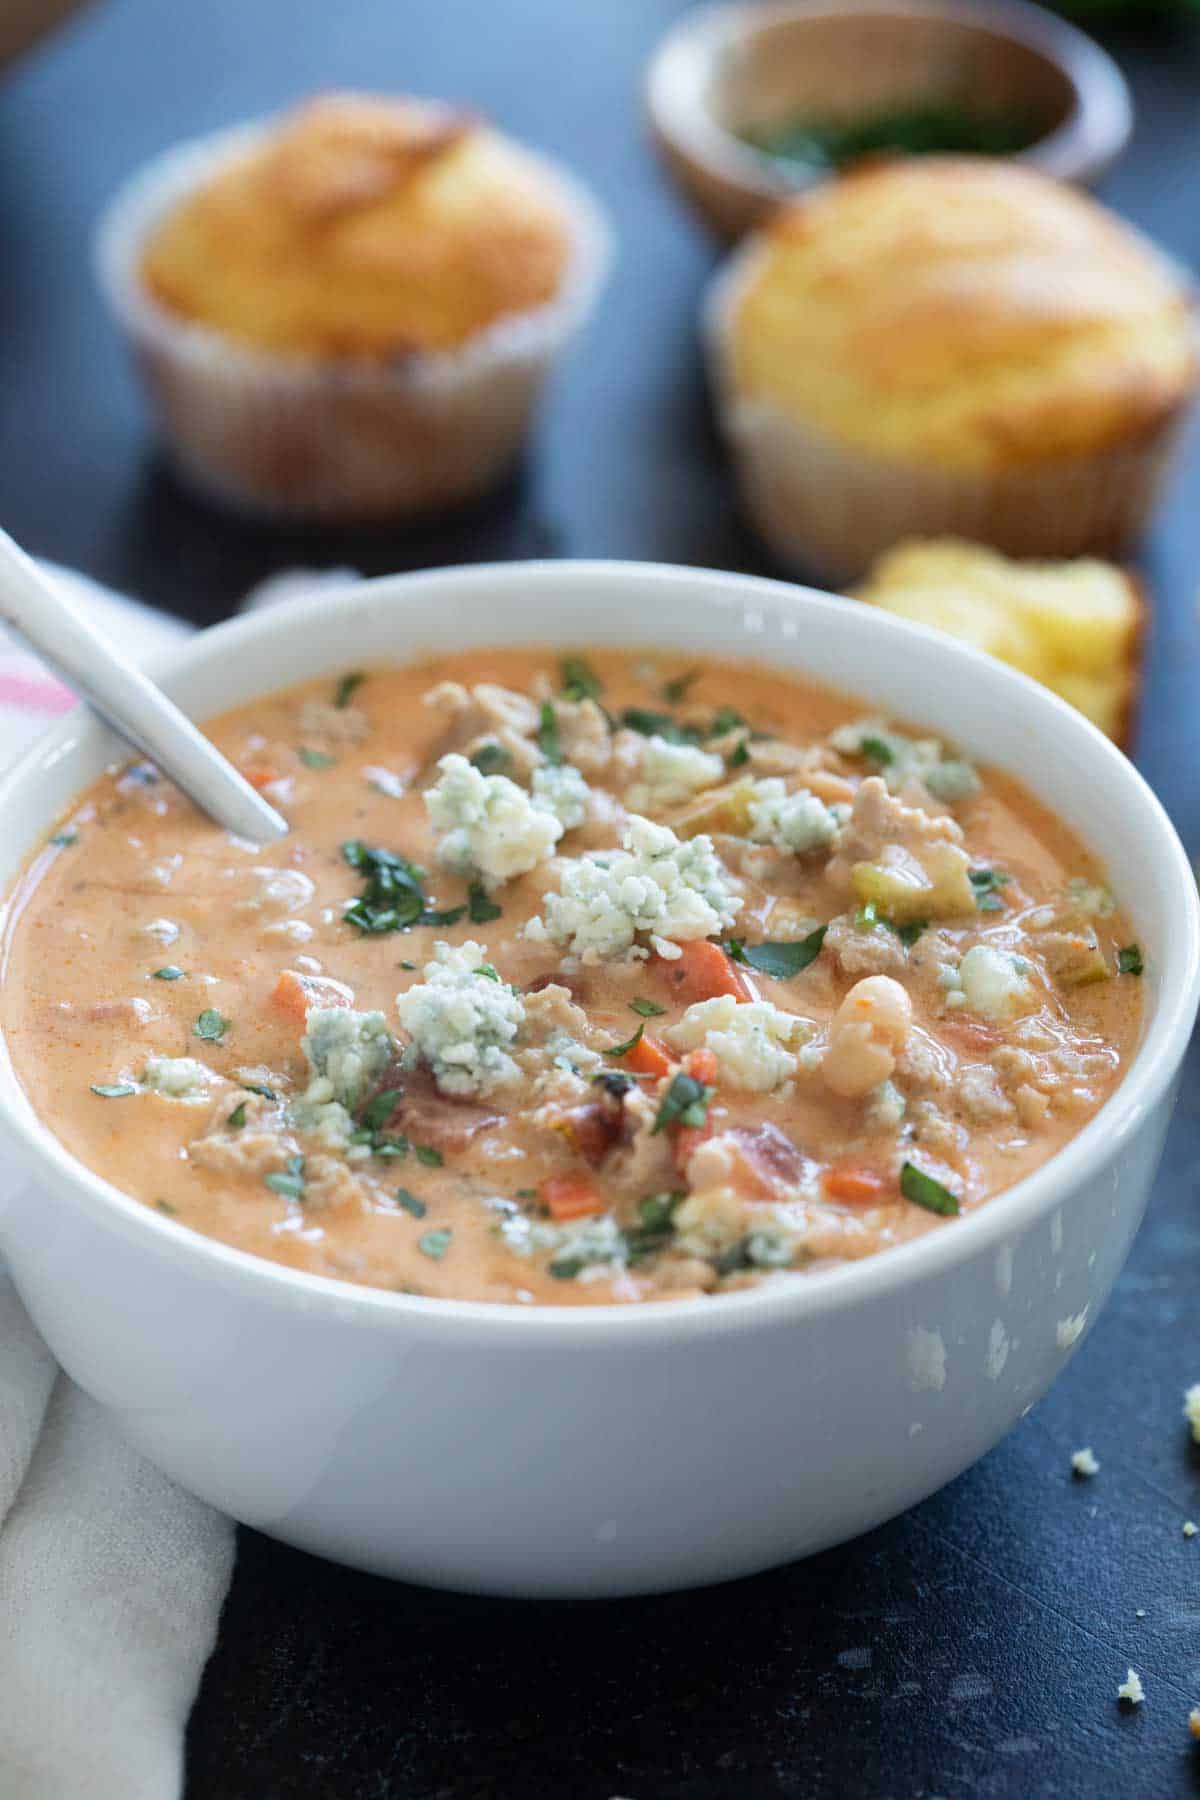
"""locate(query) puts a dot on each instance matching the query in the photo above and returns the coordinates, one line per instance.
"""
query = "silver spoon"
(131, 704)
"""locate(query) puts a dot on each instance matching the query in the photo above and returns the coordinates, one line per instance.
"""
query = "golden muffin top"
(968, 312)
(363, 228)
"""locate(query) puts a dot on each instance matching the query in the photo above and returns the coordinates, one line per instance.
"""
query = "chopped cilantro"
(924, 1191)
(566, 1268)
(266, 1092)
(489, 971)
(449, 916)
(654, 1228)
(64, 839)
(347, 686)
(1129, 960)
(675, 690)
(411, 1204)
(290, 1181)
(315, 759)
(392, 898)
(211, 1025)
(237, 1117)
(379, 1109)
(114, 1090)
(738, 756)
(987, 884)
(648, 1009)
(164, 1206)
(168, 973)
(526, 1194)
(406, 965)
(579, 682)
(480, 909)
(629, 1044)
(724, 720)
(909, 933)
(684, 1103)
(780, 960)
(549, 742)
(435, 1243)
(658, 724)
(492, 759)
(733, 1258)
(877, 750)
(425, 1153)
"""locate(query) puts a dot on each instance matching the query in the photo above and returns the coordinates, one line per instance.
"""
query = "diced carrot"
(648, 1057)
(854, 1183)
(702, 970)
(260, 775)
(571, 1196)
(701, 1065)
(294, 994)
(687, 1139)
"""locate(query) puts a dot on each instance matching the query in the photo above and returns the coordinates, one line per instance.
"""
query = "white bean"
(866, 1035)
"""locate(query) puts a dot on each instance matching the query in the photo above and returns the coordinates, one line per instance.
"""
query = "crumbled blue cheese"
(1084, 1463)
(178, 1077)
(885, 1107)
(562, 791)
(1091, 897)
(595, 1244)
(674, 891)
(163, 931)
(754, 1042)
(669, 774)
(347, 1051)
(796, 822)
(1131, 1688)
(993, 982)
(489, 825)
(463, 1022)
(948, 779)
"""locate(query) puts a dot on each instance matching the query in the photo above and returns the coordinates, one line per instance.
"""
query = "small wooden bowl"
(726, 69)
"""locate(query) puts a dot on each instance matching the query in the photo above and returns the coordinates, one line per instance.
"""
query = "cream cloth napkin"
(111, 1578)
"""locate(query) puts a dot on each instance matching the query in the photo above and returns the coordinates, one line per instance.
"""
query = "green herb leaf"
(659, 724)
(62, 840)
(739, 755)
(315, 759)
(481, 910)
(411, 1204)
(579, 682)
(169, 973)
(426, 1153)
(492, 759)
(290, 1181)
(392, 898)
(781, 960)
(909, 933)
(526, 1194)
(266, 1092)
(565, 1268)
(113, 1090)
(549, 742)
(237, 1117)
(348, 685)
(655, 1226)
(987, 881)
(629, 1044)
(487, 970)
(684, 1103)
(211, 1025)
(725, 720)
(877, 750)
(435, 1243)
(924, 1191)
(1129, 960)
(675, 690)
(649, 1009)
(450, 916)
(164, 1206)
(379, 1109)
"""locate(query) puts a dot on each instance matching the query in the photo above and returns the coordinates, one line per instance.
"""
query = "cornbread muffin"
(363, 228)
(348, 312)
(949, 345)
(1077, 627)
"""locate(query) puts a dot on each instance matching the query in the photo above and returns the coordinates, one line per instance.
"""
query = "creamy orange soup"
(578, 979)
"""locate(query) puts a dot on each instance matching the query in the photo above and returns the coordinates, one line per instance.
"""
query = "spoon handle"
(135, 708)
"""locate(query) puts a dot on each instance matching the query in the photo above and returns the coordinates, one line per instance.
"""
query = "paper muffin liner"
(828, 510)
(301, 438)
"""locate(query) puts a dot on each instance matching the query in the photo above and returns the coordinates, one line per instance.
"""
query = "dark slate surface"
(973, 1647)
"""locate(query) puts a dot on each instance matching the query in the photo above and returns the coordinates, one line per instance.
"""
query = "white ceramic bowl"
(608, 1451)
